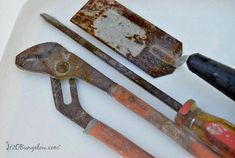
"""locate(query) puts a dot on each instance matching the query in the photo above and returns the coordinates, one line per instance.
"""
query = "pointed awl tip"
(45, 16)
(49, 18)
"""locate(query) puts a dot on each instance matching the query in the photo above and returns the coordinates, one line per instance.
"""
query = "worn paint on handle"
(199, 150)
(115, 140)
(178, 134)
(217, 133)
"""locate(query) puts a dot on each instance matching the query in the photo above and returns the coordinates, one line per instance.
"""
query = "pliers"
(55, 60)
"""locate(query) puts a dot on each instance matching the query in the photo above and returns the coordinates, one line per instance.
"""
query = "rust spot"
(118, 47)
(136, 38)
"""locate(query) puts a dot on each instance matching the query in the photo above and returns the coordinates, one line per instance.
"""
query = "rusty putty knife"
(147, 46)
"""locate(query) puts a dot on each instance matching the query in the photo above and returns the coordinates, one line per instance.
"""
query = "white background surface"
(28, 114)
(9, 10)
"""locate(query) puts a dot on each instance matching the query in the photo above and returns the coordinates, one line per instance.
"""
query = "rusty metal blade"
(139, 41)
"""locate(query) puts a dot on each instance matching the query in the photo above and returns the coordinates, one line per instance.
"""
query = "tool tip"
(180, 61)
(45, 16)
(50, 19)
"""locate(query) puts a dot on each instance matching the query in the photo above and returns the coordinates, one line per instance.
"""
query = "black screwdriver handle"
(218, 75)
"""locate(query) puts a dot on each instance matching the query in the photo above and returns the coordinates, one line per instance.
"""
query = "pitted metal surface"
(61, 64)
(138, 40)
(74, 110)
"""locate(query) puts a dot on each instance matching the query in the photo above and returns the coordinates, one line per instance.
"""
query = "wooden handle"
(115, 140)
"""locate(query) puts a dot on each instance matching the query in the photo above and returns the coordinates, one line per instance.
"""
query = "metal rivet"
(62, 67)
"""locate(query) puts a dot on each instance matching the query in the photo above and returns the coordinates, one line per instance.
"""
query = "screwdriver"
(217, 133)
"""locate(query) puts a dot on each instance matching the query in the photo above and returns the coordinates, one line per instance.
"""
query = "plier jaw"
(53, 59)
(73, 110)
